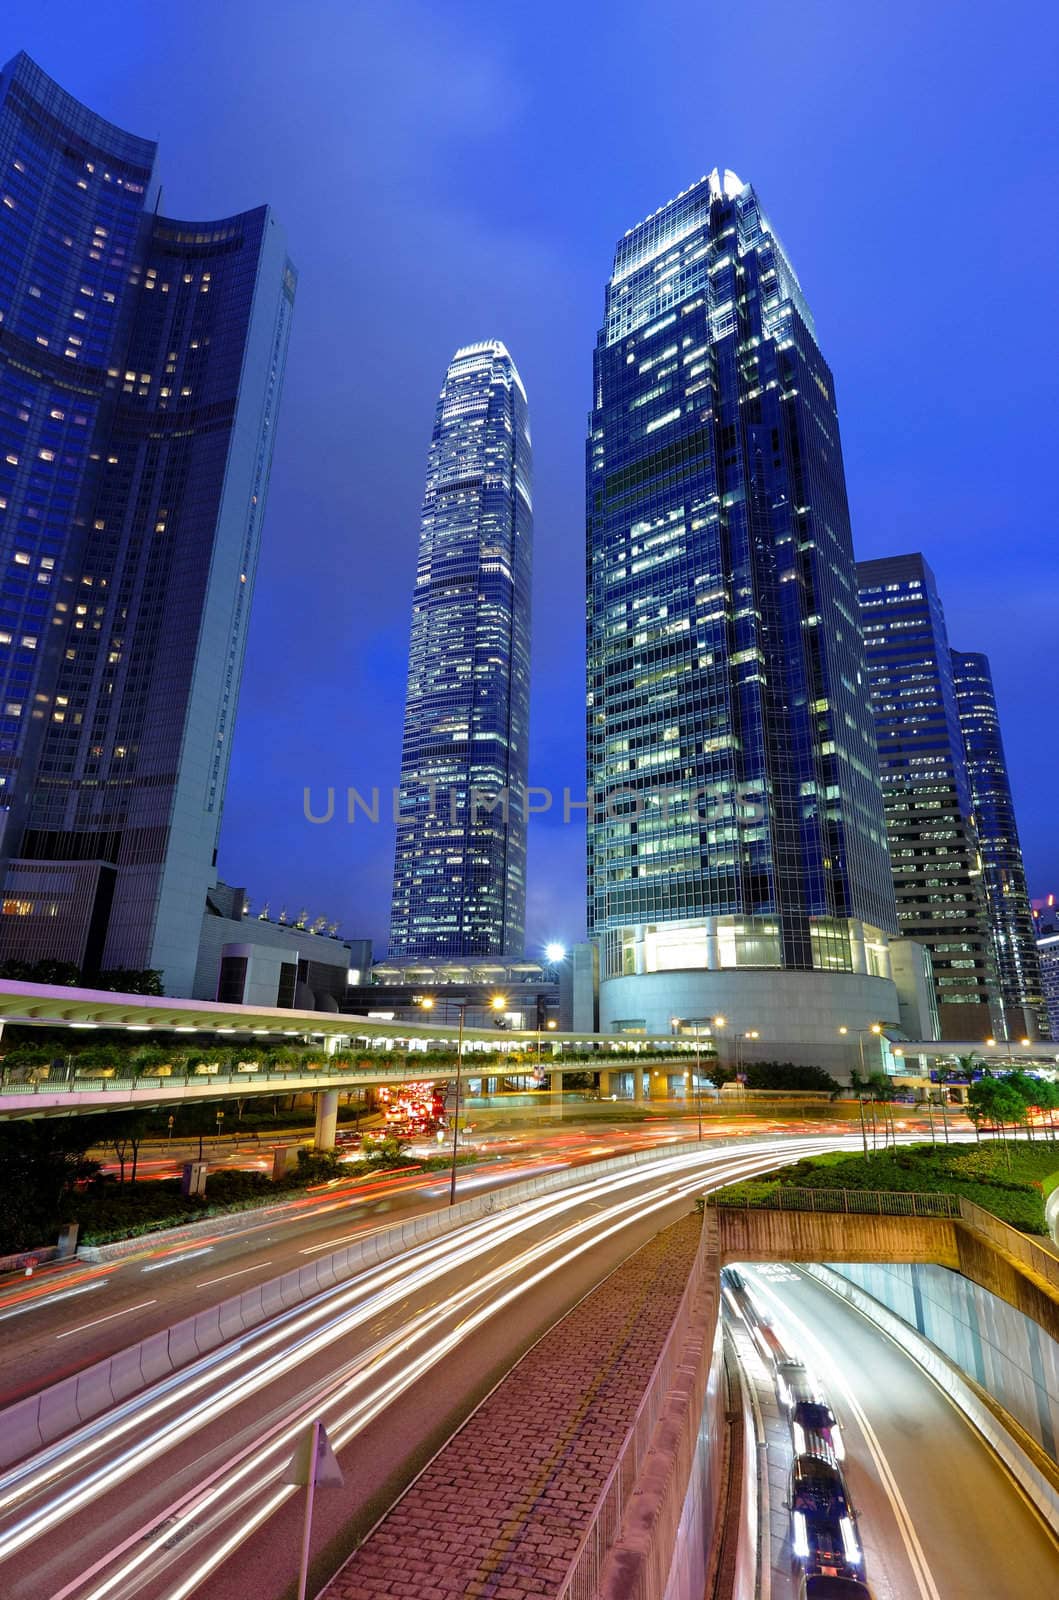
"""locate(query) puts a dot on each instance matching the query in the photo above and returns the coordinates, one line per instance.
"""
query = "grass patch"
(1008, 1179)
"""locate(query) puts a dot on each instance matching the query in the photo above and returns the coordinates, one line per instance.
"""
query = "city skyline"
(899, 448)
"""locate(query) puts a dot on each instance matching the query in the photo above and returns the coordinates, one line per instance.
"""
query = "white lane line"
(241, 1273)
(347, 1238)
(142, 1305)
(174, 1261)
(51, 1299)
(917, 1559)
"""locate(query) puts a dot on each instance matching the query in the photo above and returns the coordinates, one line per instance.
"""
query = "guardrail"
(861, 1202)
(582, 1580)
(1041, 1263)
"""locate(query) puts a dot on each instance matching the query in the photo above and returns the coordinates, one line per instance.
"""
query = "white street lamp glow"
(555, 952)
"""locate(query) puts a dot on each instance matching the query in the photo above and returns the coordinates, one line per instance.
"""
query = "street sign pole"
(307, 1528)
(313, 1462)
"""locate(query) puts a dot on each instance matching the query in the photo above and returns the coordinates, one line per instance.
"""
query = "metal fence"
(862, 1202)
(582, 1580)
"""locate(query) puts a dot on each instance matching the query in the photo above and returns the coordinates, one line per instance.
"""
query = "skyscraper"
(1014, 939)
(934, 847)
(460, 866)
(141, 361)
(736, 840)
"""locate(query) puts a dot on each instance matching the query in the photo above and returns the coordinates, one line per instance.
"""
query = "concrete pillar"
(659, 1084)
(637, 1085)
(604, 1086)
(326, 1119)
(555, 1082)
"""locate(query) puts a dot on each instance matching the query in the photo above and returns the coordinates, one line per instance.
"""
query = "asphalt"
(940, 1518)
(180, 1492)
(66, 1317)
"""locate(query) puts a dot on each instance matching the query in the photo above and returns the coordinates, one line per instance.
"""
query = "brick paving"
(499, 1513)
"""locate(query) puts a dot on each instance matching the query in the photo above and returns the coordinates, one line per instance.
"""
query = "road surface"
(66, 1317)
(179, 1492)
(940, 1519)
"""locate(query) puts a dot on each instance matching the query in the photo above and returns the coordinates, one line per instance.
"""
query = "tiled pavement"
(499, 1513)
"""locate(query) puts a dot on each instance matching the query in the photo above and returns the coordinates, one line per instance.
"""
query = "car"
(809, 1410)
(824, 1539)
(824, 1587)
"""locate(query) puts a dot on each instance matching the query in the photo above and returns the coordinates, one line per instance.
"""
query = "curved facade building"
(736, 838)
(460, 865)
(141, 360)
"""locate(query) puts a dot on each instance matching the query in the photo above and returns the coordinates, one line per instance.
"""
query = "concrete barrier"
(1033, 1472)
(39, 1419)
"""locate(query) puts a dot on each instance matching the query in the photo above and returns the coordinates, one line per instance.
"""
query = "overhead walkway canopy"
(54, 1005)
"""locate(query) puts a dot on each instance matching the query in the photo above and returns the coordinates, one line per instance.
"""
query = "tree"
(60, 973)
(24, 1059)
(40, 1161)
(1048, 1100)
(124, 1132)
(993, 1101)
(787, 1075)
(1028, 1090)
(130, 980)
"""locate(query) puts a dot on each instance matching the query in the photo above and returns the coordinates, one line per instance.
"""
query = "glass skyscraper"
(460, 867)
(934, 846)
(141, 360)
(736, 819)
(1014, 937)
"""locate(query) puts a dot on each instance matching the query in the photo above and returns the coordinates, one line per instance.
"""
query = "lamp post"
(497, 1003)
(717, 1023)
(751, 1033)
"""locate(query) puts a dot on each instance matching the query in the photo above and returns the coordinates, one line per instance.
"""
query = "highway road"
(179, 1492)
(67, 1316)
(940, 1519)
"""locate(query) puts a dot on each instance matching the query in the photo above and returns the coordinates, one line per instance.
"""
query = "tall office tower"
(934, 848)
(1014, 938)
(141, 361)
(725, 661)
(459, 884)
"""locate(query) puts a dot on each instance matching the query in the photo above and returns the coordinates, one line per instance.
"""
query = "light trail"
(339, 1312)
(211, 1388)
(825, 1364)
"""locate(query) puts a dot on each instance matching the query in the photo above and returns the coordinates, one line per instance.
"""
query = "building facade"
(934, 847)
(141, 362)
(1004, 875)
(736, 839)
(460, 863)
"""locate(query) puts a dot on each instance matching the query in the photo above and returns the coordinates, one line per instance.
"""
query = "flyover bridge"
(246, 1029)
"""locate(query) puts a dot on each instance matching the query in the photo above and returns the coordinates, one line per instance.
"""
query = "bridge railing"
(289, 1079)
(861, 1202)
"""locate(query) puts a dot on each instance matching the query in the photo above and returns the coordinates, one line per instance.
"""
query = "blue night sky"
(453, 172)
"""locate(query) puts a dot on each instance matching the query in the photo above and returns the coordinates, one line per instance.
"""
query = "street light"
(554, 953)
(497, 1003)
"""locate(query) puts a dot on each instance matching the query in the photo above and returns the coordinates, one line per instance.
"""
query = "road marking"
(347, 1238)
(173, 1261)
(49, 1299)
(917, 1559)
(128, 1309)
(206, 1283)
